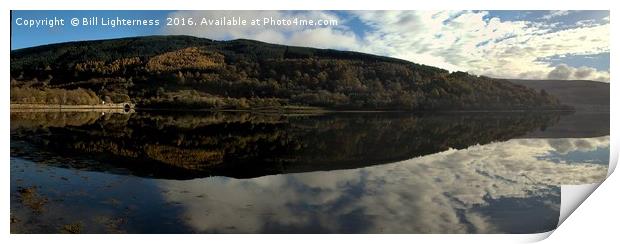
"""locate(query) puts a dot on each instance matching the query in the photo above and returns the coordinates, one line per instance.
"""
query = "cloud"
(565, 72)
(438, 193)
(324, 38)
(587, 22)
(555, 13)
(475, 42)
(560, 72)
(314, 36)
(472, 41)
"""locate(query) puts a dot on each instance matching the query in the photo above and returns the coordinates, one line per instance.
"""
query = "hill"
(583, 95)
(590, 100)
(190, 72)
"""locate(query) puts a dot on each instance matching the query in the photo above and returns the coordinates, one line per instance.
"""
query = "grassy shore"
(110, 107)
(60, 106)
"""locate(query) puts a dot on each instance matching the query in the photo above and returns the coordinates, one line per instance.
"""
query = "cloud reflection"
(437, 193)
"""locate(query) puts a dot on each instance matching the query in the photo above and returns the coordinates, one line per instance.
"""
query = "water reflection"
(387, 174)
(245, 145)
(439, 193)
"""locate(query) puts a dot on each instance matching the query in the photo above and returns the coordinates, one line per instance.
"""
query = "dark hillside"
(584, 95)
(190, 72)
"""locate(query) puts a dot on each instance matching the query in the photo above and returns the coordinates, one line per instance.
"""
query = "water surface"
(202, 172)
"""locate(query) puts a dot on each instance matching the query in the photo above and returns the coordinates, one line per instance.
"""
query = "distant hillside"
(591, 96)
(590, 100)
(190, 72)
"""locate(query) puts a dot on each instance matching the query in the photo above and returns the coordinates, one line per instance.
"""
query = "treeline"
(182, 71)
(79, 96)
(193, 99)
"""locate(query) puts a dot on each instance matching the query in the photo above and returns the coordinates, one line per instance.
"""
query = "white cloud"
(606, 19)
(455, 40)
(324, 38)
(555, 13)
(468, 41)
(586, 22)
(565, 72)
(283, 34)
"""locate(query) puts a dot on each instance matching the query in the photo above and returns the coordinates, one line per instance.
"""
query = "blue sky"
(28, 37)
(511, 44)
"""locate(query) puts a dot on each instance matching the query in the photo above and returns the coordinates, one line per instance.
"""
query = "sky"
(561, 45)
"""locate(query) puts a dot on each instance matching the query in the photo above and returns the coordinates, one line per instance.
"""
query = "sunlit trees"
(159, 70)
(78, 96)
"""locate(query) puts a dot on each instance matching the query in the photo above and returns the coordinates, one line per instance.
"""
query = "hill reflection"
(247, 145)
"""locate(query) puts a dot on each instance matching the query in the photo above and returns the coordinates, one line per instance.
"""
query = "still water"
(234, 172)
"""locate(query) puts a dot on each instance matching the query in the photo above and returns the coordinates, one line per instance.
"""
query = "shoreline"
(121, 108)
(114, 107)
(62, 106)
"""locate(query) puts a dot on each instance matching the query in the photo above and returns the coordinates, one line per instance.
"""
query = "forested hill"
(583, 95)
(190, 72)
